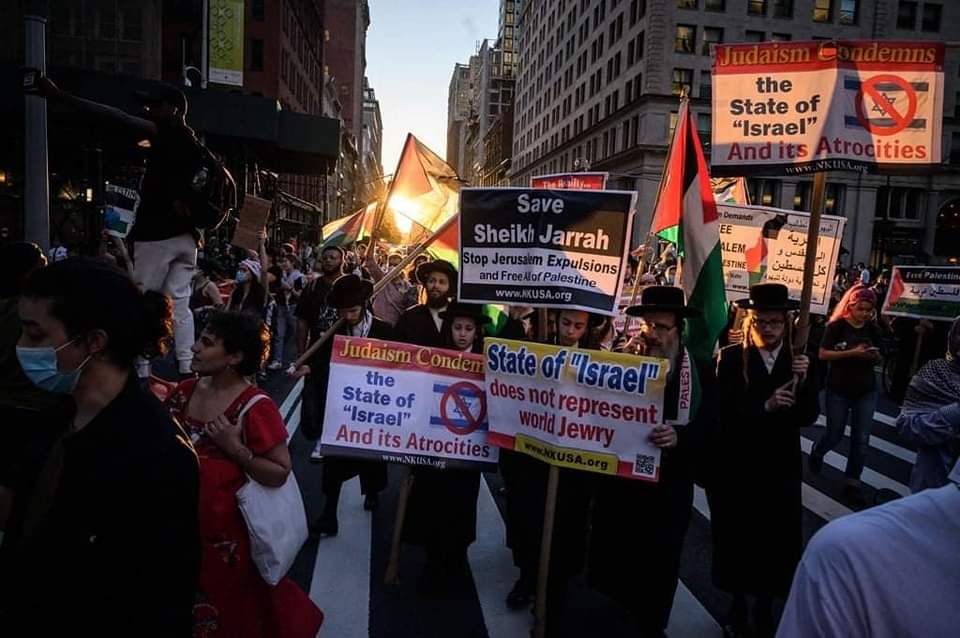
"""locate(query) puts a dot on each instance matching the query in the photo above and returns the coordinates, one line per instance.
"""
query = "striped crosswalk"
(344, 574)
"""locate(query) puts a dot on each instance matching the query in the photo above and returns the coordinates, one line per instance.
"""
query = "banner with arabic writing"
(760, 244)
(924, 292)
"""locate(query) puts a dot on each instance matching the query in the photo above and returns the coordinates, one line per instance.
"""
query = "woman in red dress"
(232, 599)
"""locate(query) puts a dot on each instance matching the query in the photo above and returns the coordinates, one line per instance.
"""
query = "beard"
(435, 302)
(669, 352)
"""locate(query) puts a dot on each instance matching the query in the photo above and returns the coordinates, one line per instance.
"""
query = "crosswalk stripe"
(294, 421)
(292, 396)
(886, 419)
(871, 477)
(689, 617)
(813, 500)
(341, 572)
(881, 444)
(494, 572)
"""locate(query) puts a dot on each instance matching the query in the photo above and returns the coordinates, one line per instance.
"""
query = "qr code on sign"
(645, 465)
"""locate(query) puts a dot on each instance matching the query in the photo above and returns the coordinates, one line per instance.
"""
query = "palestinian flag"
(347, 230)
(756, 256)
(730, 190)
(686, 214)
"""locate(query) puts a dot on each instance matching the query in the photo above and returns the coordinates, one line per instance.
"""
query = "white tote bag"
(276, 520)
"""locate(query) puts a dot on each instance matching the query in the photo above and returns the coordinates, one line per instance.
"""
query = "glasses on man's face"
(772, 324)
(659, 328)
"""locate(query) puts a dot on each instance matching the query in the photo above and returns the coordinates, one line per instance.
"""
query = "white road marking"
(881, 444)
(871, 477)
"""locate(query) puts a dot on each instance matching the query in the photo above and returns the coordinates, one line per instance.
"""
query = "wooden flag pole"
(810, 261)
(546, 544)
(377, 287)
(392, 575)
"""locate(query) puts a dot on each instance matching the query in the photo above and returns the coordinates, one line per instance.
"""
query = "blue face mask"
(41, 367)
(241, 277)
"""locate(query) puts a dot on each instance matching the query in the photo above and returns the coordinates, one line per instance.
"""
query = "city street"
(344, 574)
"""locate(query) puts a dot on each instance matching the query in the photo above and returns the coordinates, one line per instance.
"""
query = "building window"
(672, 126)
(765, 192)
(703, 129)
(779, 37)
(822, 10)
(849, 11)
(898, 203)
(132, 23)
(715, 5)
(753, 36)
(685, 39)
(931, 17)
(706, 88)
(257, 9)
(256, 55)
(686, 4)
(782, 8)
(682, 80)
(757, 7)
(833, 199)
(907, 15)
(711, 35)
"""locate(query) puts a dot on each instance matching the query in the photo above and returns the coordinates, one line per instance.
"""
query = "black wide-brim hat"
(663, 299)
(468, 310)
(349, 291)
(768, 297)
(440, 265)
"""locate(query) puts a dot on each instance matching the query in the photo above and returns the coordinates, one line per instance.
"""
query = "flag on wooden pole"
(686, 214)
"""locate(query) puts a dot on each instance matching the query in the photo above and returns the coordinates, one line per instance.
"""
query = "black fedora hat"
(663, 299)
(768, 297)
(439, 265)
(349, 291)
(468, 310)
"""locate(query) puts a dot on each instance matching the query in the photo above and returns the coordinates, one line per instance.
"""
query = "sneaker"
(316, 456)
(815, 463)
(275, 365)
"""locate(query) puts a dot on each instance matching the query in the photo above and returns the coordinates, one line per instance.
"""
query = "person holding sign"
(851, 347)
(762, 408)
(442, 510)
(526, 480)
(350, 296)
(638, 526)
(421, 324)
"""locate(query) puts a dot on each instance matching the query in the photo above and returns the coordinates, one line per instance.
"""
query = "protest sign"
(120, 209)
(582, 409)
(409, 404)
(572, 181)
(924, 292)
(544, 248)
(253, 219)
(796, 107)
(769, 245)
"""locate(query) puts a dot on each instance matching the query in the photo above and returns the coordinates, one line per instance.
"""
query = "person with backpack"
(184, 188)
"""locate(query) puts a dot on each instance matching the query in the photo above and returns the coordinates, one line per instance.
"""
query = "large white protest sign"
(924, 292)
(769, 245)
(796, 107)
(544, 248)
(582, 409)
(408, 404)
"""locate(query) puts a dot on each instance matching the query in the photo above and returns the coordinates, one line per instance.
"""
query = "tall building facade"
(372, 142)
(458, 116)
(598, 83)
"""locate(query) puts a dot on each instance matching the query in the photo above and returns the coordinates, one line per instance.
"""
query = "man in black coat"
(755, 500)
(350, 296)
(639, 527)
(421, 324)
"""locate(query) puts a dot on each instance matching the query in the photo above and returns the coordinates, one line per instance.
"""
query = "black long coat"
(754, 497)
(373, 474)
(639, 527)
(442, 509)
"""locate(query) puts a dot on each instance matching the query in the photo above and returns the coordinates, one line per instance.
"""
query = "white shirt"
(770, 356)
(58, 253)
(435, 313)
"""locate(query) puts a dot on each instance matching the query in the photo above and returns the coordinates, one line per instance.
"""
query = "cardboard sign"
(581, 409)
(400, 403)
(544, 248)
(924, 292)
(786, 108)
(769, 245)
(253, 219)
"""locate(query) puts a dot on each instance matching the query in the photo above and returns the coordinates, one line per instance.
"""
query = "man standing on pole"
(639, 527)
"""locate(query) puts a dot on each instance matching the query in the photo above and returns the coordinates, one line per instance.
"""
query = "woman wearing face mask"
(250, 295)
(851, 347)
(232, 599)
(442, 510)
(110, 535)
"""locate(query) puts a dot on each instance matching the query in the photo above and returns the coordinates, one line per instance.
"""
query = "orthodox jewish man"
(639, 526)
(767, 395)
(350, 296)
(421, 324)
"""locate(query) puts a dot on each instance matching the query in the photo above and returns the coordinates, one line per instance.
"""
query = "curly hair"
(242, 333)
